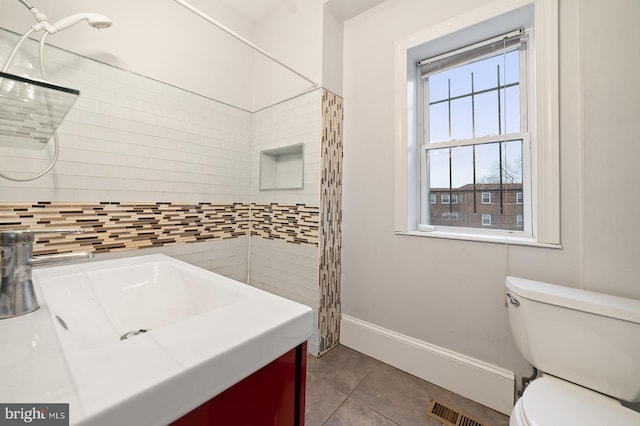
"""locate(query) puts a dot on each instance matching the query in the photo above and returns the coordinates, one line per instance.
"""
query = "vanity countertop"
(150, 378)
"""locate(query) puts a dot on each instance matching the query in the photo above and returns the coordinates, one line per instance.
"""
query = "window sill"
(486, 238)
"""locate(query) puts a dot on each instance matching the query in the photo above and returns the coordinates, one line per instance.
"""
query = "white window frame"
(486, 219)
(489, 196)
(432, 199)
(544, 119)
(526, 58)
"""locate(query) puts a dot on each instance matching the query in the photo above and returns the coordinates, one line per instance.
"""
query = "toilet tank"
(584, 337)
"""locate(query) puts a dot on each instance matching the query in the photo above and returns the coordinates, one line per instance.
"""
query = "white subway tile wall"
(288, 270)
(130, 139)
(224, 257)
(292, 122)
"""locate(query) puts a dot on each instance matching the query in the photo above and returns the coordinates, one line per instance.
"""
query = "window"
(450, 216)
(432, 198)
(472, 134)
(474, 121)
(448, 198)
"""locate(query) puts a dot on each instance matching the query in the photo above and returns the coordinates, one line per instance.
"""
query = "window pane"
(461, 125)
(460, 81)
(486, 114)
(439, 122)
(485, 73)
(512, 161)
(512, 67)
(438, 168)
(494, 200)
(511, 109)
(459, 110)
(488, 163)
(461, 166)
(438, 87)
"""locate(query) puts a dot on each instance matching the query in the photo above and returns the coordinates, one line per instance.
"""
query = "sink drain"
(125, 336)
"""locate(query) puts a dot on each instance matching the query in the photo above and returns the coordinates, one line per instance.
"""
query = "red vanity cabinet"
(272, 396)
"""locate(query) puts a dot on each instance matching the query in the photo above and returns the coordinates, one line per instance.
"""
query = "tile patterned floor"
(345, 387)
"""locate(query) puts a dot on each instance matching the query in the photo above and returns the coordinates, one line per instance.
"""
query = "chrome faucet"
(17, 295)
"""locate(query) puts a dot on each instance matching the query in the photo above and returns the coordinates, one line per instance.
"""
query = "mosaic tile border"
(113, 226)
(330, 242)
(296, 224)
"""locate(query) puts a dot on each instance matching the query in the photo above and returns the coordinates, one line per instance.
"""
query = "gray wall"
(450, 293)
(611, 102)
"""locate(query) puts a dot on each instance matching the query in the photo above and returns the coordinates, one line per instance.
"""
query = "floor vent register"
(451, 416)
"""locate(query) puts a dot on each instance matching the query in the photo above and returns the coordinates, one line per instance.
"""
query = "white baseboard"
(474, 379)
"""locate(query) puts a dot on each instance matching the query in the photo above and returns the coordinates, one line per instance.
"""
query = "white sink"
(202, 334)
(103, 302)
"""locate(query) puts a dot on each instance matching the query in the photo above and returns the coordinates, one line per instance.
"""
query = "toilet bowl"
(549, 401)
(586, 344)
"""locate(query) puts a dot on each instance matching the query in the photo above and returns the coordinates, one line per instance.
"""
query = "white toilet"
(587, 346)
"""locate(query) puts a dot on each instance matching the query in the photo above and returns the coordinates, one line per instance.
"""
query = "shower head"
(94, 19)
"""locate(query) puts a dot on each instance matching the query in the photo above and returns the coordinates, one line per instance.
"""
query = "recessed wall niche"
(282, 168)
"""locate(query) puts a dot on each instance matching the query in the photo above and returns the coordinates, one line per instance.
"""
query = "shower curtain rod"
(242, 39)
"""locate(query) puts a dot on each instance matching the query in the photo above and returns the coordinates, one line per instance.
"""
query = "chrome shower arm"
(41, 18)
(26, 4)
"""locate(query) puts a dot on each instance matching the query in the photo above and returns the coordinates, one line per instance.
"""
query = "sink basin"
(147, 339)
(103, 302)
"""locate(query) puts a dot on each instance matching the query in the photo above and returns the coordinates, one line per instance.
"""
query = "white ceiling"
(253, 9)
(347, 9)
(257, 9)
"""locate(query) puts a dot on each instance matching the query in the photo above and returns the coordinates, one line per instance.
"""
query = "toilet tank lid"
(574, 298)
